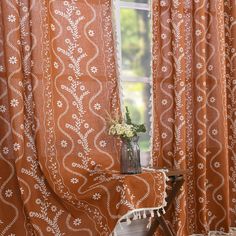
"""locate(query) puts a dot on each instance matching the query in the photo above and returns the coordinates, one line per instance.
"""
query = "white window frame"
(145, 156)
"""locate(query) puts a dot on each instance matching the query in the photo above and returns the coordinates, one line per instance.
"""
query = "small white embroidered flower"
(200, 166)
(56, 65)
(102, 143)
(212, 99)
(164, 68)
(86, 125)
(164, 135)
(8, 193)
(16, 146)
(93, 163)
(162, 3)
(96, 196)
(198, 32)
(59, 103)
(21, 190)
(53, 28)
(5, 150)
(200, 132)
(199, 98)
(2, 108)
(13, 60)
(80, 50)
(209, 213)
(201, 199)
(181, 118)
(11, 18)
(164, 102)
(82, 87)
(25, 9)
(163, 36)
(91, 33)
(27, 48)
(14, 102)
(1, 68)
(199, 65)
(77, 222)
(64, 143)
(74, 181)
(219, 197)
(214, 131)
(97, 106)
(210, 67)
(217, 164)
(94, 69)
(53, 208)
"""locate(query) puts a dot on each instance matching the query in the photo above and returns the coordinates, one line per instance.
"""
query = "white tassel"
(128, 221)
(144, 215)
(139, 215)
(152, 213)
(149, 223)
(135, 216)
(163, 210)
(158, 214)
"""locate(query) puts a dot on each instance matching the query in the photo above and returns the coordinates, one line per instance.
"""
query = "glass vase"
(130, 156)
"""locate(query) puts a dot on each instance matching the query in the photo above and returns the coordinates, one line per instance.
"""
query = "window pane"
(135, 41)
(136, 97)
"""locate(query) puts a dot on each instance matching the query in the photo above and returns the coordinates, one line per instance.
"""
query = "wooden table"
(176, 179)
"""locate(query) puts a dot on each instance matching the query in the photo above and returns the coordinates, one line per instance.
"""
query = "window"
(134, 49)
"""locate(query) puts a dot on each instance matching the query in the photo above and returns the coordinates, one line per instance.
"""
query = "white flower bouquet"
(124, 128)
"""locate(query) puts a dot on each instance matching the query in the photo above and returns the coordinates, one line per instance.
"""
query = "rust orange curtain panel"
(194, 89)
(59, 169)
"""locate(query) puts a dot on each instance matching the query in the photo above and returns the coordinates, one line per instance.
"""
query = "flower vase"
(130, 156)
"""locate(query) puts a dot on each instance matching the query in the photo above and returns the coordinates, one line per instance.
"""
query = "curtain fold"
(58, 83)
(194, 99)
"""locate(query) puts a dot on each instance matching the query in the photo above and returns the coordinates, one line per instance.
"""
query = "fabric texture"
(194, 109)
(59, 168)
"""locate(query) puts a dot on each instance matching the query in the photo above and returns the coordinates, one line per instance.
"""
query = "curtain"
(58, 83)
(194, 109)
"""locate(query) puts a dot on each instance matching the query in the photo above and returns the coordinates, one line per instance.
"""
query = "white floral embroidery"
(21, 190)
(14, 102)
(27, 48)
(11, 18)
(200, 132)
(212, 99)
(94, 69)
(8, 193)
(64, 143)
(13, 60)
(163, 3)
(53, 208)
(199, 98)
(96, 196)
(53, 28)
(16, 146)
(86, 125)
(77, 222)
(214, 131)
(217, 164)
(97, 106)
(163, 102)
(5, 150)
(74, 180)
(198, 32)
(59, 103)
(163, 135)
(56, 65)
(1, 69)
(201, 199)
(2, 108)
(200, 166)
(102, 143)
(91, 33)
(219, 197)
(163, 36)
(164, 69)
(210, 67)
(199, 65)
(82, 88)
